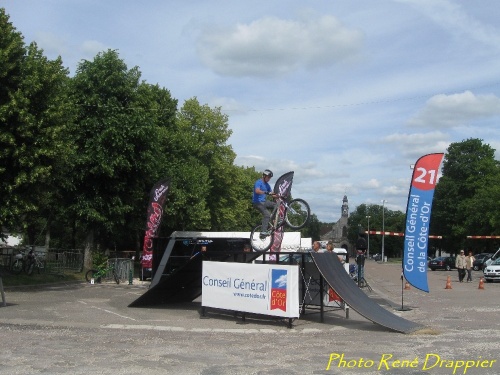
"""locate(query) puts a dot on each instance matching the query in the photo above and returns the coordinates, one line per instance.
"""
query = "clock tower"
(345, 207)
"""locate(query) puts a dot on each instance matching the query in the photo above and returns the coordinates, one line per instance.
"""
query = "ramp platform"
(334, 274)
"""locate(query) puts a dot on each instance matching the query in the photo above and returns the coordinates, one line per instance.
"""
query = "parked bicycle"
(295, 214)
(27, 262)
(107, 272)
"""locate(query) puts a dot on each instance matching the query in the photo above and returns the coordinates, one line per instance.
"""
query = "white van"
(493, 258)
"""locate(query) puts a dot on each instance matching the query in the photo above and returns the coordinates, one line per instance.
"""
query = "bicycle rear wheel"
(297, 214)
(92, 274)
(258, 243)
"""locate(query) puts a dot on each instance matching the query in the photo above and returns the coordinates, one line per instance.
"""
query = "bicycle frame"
(103, 272)
(283, 214)
(275, 214)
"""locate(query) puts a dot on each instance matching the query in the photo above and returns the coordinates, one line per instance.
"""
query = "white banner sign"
(269, 289)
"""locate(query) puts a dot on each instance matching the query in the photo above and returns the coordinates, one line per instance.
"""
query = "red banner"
(157, 199)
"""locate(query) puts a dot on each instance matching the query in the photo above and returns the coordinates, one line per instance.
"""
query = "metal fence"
(57, 261)
(63, 261)
(123, 267)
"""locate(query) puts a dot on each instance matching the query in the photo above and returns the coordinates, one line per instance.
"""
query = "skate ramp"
(183, 283)
(337, 278)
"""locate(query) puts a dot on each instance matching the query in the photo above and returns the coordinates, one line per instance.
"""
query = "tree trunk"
(89, 245)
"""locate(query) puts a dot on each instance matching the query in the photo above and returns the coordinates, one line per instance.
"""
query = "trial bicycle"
(103, 272)
(293, 214)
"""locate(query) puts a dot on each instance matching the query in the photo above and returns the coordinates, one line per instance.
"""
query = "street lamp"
(383, 227)
(368, 236)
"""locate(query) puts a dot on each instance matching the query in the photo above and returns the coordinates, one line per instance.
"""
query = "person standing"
(469, 264)
(461, 265)
(262, 188)
(360, 261)
(329, 247)
(316, 247)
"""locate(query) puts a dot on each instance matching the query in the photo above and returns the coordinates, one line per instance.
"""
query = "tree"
(34, 114)
(312, 229)
(119, 137)
(468, 166)
(209, 192)
(394, 221)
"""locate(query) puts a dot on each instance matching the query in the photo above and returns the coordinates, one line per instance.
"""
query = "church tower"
(338, 234)
(345, 207)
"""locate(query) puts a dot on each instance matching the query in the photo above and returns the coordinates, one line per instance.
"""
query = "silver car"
(492, 271)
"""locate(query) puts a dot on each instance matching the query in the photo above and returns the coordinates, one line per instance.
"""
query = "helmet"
(268, 173)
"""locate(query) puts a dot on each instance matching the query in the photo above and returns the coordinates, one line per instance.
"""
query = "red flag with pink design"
(157, 199)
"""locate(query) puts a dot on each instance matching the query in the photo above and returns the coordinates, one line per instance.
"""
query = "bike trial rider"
(262, 188)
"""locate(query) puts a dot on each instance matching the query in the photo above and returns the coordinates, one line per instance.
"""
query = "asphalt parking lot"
(82, 328)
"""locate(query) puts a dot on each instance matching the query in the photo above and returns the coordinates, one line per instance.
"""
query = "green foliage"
(312, 229)
(34, 116)
(466, 196)
(393, 221)
(120, 141)
(99, 260)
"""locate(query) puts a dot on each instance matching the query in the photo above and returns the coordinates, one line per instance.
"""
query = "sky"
(348, 94)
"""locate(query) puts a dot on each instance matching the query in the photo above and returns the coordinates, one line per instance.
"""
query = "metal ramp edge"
(336, 277)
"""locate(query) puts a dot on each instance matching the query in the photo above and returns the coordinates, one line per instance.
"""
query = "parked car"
(494, 257)
(442, 263)
(492, 271)
(480, 261)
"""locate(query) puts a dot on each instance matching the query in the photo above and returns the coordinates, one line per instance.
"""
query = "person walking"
(469, 264)
(262, 188)
(461, 265)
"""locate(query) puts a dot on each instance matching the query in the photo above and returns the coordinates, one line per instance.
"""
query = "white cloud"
(51, 44)
(448, 111)
(90, 48)
(272, 46)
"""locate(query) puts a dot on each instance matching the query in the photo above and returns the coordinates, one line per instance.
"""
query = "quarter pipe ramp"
(334, 274)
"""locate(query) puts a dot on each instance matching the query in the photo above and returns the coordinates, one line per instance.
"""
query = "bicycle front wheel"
(298, 213)
(17, 266)
(260, 243)
(30, 267)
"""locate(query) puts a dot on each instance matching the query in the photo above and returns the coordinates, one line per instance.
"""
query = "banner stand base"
(403, 309)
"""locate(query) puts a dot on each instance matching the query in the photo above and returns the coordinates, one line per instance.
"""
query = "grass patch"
(9, 279)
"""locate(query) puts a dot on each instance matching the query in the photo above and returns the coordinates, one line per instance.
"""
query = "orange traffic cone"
(481, 283)
(448, 283)
(407, 286)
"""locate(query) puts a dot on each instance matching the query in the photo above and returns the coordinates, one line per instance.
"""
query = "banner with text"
(157, 198)
(418, 218)
(269, 289)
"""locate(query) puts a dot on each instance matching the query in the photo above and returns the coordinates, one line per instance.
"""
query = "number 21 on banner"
(425, 176)
(426, 171)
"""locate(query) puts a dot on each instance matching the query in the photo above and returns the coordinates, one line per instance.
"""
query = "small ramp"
(335, 275)
(183, 285)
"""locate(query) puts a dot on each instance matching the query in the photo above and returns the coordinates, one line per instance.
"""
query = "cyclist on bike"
(262, 188)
